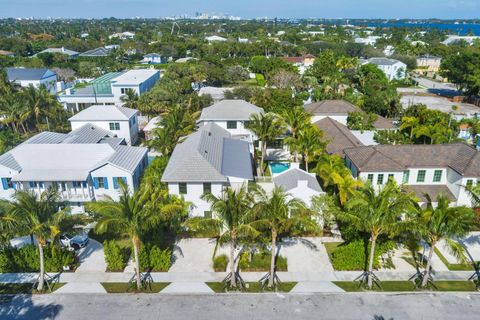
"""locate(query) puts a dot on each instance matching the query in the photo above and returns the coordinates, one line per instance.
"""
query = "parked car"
(74, 242)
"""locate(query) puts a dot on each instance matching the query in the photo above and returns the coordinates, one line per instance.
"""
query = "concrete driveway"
(193, 255)
(92, 258)
(305, 255)
(471, 242)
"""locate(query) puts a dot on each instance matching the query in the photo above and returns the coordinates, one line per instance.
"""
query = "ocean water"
(458, 29)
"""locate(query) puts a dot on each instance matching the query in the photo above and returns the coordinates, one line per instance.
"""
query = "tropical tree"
(267, 127)
(330, 169)
(9, 224)
(41, 216)
(39, 102)
(296, 119)
(346, 187)
(130, 99)
(443, 222)
(278, 213)
(310, 143)
(378, 213)
(133, 215)
(474, 192)
(231, 223)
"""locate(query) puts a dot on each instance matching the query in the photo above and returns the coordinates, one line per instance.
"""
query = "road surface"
(368, 306)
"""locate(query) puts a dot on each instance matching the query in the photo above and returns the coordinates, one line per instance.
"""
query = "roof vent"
(209, 134)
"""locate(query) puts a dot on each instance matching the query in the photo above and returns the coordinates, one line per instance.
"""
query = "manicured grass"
(122, 287)
(454, 266)
(408, 286)
(252, 287)
(25, 288)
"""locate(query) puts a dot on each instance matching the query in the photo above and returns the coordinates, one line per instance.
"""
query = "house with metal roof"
(206, 162)
(62, 50)
(109, 89)
(152, 58)
(423, 169)
(231, 115)
(36, 77)
(298, 184)
(393, 69)
(83, 166)
(121, 122)
(95, 53)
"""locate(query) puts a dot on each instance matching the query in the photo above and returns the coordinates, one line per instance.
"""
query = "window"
(437, 176)
(390, 177)
(231, 124)
(100, 182)
(380, 179)
(370, 178)
(421, 176)
(123, 90)
(116, 181)
(207, 214)
(207, 188)
(77, 184)
(469, 183)
(182, 187)
(114, 126)
(406, 176)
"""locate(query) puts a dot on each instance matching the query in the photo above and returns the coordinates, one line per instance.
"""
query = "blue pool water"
(279, 167)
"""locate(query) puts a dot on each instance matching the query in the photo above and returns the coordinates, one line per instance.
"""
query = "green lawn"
(252, 287)
(408, 286)
(25, 288)
(454, 266)
(122, 287)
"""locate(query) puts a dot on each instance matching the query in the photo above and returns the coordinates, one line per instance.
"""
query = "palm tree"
(231, 223)
(38, 102)
(410, 123)
(346, 186)
(330, 169)
(443, 222)
(310, 143)
(9, 223)
(278, 212)
(132, 215)
(267, 127)
(130, 99)
(296, 119)
(474, 192)
(41, 217)
(378, 213)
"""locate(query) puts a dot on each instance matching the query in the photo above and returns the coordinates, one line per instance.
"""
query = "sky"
(414, 9)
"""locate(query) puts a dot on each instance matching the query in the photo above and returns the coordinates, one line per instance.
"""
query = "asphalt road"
(243, 306)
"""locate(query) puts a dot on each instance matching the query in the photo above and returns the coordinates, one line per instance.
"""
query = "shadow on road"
(13, 307)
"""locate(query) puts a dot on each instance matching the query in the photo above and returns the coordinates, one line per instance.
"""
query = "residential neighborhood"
(210, 156)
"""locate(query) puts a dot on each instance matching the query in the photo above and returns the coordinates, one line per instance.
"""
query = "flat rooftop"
(135, 77)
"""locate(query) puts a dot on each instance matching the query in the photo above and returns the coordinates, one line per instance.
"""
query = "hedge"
(153, 258)
(260, 262)
(353, 255)
(116, 257)
(220, 263)
(27, 259)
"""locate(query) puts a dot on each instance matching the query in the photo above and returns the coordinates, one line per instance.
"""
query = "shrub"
(260, 79)
(26, 259)
(5, 262)
(261, 262)
(115, 256)
(220, 263)
(143, 257)
(160, 259)
(354, 255)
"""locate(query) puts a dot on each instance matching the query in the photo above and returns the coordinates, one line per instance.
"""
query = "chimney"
(294, 165)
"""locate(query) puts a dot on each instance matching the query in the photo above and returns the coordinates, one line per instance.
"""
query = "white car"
(74, 242)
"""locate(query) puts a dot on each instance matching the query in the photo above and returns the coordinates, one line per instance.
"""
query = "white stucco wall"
(194, 196)
(109, 171)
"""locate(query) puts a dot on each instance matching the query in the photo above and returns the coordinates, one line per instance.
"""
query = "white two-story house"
(108, 89)
(26, 77)
(393, 69)
(423, 169)
(231, 115)
(207, 161)
(80, 171)
(120, 121)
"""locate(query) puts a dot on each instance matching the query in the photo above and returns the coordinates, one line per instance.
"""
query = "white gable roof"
(104, 113)
(229, 110)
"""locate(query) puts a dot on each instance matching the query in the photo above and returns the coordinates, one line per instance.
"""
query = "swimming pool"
(279, 167)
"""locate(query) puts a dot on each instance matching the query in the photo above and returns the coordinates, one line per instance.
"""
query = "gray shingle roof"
(337, 135)
(458, 156)
(97, 52)
(229, 110)
(289, 179)
(203, 157)
(14, 74)
(104, 113)
(326, 107)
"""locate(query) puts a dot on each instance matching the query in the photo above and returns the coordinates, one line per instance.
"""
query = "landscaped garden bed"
(252, 287)
(26, 288)
(122, 287)
(409, 286)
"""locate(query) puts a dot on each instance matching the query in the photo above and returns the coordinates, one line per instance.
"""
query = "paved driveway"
(92, 258)
(193, 255)
(305, 255)
(471, 242)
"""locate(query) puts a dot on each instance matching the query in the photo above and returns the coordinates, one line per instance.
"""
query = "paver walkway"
(316, 286)
(187, 287)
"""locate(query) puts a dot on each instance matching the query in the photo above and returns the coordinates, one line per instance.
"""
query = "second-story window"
(469, 183)
(370, 178)
(231, 124)
(437, 176)
(207, 188)
(182, 188)
(421, 175)
(114, 126)
(380, 179)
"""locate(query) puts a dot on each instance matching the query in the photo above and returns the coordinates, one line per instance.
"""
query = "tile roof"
(229, 110)
(330, 107)
(104, 113)
(458, 156)
(209, 155)
(289, 179)
(432, 190)
(337, 135)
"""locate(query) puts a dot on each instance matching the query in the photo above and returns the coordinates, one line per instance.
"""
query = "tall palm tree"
(41, 217)
(9, 223)
(346, 187)
(231, 222)
(378, 213)
(410, 124)
(310, 143)
(278, 213)
(296, 119)
(132, 215)
(38, 101)
(267, 127)
(443, 222)
(330, 169)
(474, 192)
(130, 99)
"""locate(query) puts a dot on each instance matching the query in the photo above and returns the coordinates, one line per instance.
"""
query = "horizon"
(246, 9)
